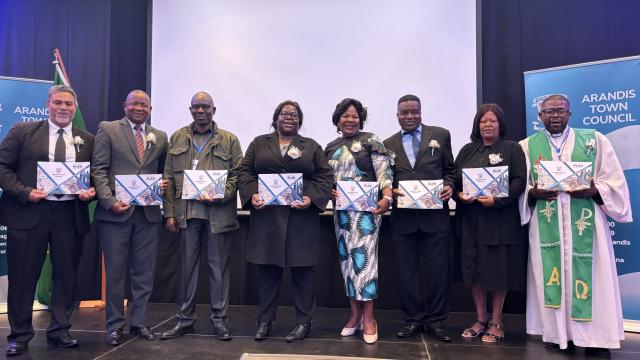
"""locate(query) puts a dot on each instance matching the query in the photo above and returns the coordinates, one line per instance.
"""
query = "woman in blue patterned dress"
(359, 156)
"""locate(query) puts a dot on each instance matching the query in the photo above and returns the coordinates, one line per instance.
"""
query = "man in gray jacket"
(205, 222)
(128, 234)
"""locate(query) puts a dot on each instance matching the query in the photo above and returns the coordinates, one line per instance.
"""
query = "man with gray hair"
(37, 221)
(204, 223)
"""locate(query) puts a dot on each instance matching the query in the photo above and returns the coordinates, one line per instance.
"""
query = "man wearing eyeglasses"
(572, 288)
(206, 221)
(128, 234)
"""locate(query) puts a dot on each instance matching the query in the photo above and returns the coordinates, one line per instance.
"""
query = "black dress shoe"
(222, 331)
(263, 332)
(63, 341)
(114, 337)
(598, 352)
(299, 332)
(569, 350)
(142, 332)
(176, 331)
(410, 330)
(16, 348)
(439, 334)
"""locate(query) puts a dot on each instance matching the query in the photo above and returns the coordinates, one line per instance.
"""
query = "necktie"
(415, 143)
(139, 142)
(60, 153)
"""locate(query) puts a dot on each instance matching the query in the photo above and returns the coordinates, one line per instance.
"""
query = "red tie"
(139, 142)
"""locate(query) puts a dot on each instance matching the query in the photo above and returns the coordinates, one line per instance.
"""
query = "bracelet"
(389, 198)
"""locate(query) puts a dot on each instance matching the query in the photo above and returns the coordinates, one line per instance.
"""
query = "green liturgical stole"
(582, 225)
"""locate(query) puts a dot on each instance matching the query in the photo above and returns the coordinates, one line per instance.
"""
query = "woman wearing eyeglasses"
(285, 235)
(359, 156)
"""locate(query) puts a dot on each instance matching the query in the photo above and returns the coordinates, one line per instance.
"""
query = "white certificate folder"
(62, 178)
(140, 189)
(564, 175)
(492, 181)
(204, 182)
(420, 194)
(280, 189)
(357, 195)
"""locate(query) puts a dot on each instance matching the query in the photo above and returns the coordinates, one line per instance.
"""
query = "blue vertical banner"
(604, 96)
(20, 100)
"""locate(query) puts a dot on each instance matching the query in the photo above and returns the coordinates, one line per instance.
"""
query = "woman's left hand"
(305, 203)
(383, 207)
(486, 200)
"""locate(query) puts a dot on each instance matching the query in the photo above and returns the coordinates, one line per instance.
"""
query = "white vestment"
(555, 325)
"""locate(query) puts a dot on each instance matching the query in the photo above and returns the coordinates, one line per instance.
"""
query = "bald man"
(204, 223)
(128, 234)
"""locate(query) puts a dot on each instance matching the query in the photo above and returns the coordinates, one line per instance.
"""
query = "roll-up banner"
(604, 96)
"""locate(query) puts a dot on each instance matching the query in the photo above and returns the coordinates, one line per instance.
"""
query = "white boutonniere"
(495, 159)
(78, 142)
(150, 139)
(591, 145)
(356, 146)
(433, 145)
(294, 152)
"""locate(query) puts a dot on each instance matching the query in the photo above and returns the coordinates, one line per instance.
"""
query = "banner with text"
(20, 100)
(604, 96)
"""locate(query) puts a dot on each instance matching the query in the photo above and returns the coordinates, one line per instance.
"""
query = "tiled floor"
(88, 327)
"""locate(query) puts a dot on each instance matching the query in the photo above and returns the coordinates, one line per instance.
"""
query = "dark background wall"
(104, 47)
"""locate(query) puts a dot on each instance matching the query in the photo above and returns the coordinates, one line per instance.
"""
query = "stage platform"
(324, 342)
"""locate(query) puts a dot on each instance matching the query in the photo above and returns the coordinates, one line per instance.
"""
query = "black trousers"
(431, 251)
(26, 252)
(304, 298)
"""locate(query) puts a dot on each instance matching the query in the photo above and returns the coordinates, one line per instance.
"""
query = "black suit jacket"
(22, 148)
(440, 165)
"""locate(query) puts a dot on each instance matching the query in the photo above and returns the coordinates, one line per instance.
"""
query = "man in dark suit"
(128, 234)
(36, 220)
(421, 236)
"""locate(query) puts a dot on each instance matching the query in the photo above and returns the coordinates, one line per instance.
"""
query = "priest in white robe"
(583, 312)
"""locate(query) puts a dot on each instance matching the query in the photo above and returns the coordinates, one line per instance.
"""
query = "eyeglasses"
(289, 115)
(138, 103)
(550, 112)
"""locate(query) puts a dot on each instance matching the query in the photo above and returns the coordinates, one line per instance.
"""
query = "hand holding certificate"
(357, 195)
(209, 183)
(564, 175)
(62, 178)
(280, 189)
(141, 189)
(492, 181)
(420, 194)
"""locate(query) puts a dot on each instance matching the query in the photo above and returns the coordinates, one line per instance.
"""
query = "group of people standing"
(493, 240)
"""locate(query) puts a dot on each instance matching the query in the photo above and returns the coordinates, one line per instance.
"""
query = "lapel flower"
(150, 139)
(433, 145)
(78, 142)
(495, 158)
(591, 145)
(356, 146)
(294, 152)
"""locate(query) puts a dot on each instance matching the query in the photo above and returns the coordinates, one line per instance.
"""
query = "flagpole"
(56, 54)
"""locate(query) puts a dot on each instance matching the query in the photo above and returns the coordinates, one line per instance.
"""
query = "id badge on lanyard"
(194, 163)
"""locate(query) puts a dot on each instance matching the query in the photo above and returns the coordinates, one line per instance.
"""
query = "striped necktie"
(139, 142)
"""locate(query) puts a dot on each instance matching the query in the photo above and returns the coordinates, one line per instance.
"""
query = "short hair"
(408, 97)
(482, 110)
(556, 97)
(342, 107)
(62, 88)
(276, 113)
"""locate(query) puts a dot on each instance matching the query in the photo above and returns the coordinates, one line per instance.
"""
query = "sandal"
(492, 338)
(470, 332)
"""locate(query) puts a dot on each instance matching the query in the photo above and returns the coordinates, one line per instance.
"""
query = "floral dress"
(362, 157)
